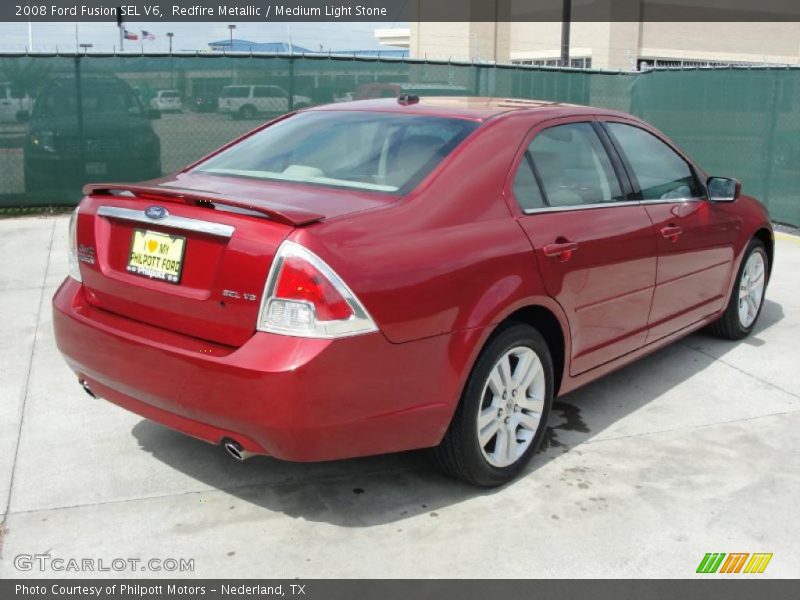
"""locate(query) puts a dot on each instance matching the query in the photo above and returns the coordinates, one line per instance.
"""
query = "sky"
(189, 36)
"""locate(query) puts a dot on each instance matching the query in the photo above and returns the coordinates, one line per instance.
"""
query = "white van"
(249, 101)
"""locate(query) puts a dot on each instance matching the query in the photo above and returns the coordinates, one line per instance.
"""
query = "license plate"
(96, 168)
(157, 255)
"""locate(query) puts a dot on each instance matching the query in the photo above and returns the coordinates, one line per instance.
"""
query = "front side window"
(572, 166)
(382, 152)
(660, 171)
(268, 92)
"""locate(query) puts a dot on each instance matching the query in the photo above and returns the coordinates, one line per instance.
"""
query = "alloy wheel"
(751, 288)
(512, 405)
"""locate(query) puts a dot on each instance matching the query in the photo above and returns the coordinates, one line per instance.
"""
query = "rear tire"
(735, 324)
(502, 416)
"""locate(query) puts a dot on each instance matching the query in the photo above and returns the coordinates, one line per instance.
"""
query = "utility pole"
(30, 30)
(566, 18)
(121, 29)
(169, 35)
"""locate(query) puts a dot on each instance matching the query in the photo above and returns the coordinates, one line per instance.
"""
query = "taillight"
(305, 297)
(74, 266)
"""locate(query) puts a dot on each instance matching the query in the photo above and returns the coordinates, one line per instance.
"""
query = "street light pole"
(169, 35)
(231, 27)
(566, 18)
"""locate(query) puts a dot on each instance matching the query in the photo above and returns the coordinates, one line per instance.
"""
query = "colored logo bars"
(716, 562)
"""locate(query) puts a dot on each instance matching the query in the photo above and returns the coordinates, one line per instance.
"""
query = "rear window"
(97, 97)
(235, 92)
(383, 152)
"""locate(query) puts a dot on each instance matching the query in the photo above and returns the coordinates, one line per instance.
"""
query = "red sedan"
(393, 274)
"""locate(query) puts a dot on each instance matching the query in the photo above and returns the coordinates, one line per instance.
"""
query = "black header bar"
(739, 588)
(398, 11)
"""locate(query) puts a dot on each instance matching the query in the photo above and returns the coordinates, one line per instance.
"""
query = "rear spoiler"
(282, 213)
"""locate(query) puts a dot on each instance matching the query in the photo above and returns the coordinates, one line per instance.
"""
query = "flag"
(146, 35)
(130, 36)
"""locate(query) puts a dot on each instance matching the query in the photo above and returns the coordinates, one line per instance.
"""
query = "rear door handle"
(671, 232)
(561, 250)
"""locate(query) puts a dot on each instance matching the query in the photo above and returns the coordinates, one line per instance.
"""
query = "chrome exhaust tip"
(87, 389)
(235, 450)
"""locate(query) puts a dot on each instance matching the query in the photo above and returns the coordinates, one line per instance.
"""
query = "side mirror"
(153, 113)
(723, 189)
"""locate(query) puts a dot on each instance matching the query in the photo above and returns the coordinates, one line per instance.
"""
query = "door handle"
(671, 232)
(562, 250)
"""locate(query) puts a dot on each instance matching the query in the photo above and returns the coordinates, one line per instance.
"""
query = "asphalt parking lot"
(691, 450)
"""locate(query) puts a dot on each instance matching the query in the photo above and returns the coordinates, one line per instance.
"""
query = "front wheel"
(747, 296)
(502, 416)
(247, 112)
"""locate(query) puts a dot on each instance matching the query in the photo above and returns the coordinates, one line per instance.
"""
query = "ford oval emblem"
(156, 212)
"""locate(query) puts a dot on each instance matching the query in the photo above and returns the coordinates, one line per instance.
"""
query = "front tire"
(502, 416)
(747, 296)
(247, 112)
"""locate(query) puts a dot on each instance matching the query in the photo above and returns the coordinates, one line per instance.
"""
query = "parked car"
(250, 101)
(434, 89)
(205, 103)
(167, 101)
(369, 91)
(13, 108)
(117, 137)
(387, 275)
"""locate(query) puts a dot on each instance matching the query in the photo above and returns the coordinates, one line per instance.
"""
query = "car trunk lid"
(223, 239)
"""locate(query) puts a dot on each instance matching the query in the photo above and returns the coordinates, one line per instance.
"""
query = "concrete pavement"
(692, 450)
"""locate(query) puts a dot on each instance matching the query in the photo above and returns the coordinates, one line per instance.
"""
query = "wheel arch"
(547, 323)
(768, 239)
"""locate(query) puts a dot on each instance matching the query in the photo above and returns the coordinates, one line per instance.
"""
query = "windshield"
(382, 152)
(60, 100)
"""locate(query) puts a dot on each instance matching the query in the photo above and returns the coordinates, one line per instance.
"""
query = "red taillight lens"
(300, 280)
(304, 297)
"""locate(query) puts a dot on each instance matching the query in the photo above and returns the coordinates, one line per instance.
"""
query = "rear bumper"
(292, 398)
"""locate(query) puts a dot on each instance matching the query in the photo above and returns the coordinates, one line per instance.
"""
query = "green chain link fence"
(143, 116)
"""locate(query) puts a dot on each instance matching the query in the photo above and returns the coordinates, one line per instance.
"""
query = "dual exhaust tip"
(232, 447)
(235, 450)
(87, 389)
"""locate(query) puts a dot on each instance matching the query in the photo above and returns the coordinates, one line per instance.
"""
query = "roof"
(238, 45)
(475, 108)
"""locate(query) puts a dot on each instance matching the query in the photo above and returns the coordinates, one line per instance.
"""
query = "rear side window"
(235, 92)
(572, 166)
(660, 171)
(526, 188)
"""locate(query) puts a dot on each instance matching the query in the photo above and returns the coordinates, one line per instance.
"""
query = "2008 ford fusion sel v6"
(385, 275)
